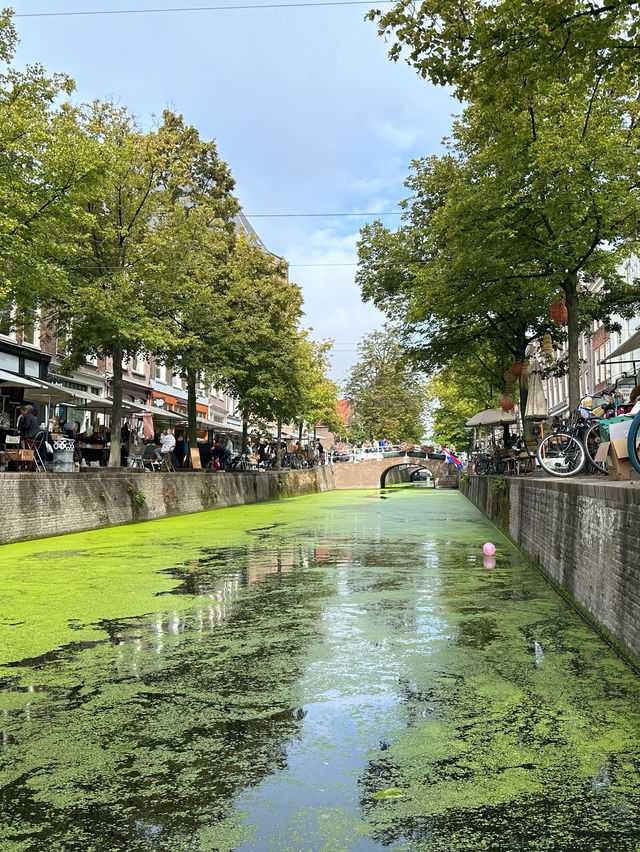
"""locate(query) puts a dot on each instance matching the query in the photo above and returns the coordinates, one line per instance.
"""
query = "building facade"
(598, 369)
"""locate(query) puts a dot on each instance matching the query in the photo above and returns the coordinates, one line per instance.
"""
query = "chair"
(149, 460)
(508, 459)
(41, 437)
(135, 459)
(167, 462)
(527, 457)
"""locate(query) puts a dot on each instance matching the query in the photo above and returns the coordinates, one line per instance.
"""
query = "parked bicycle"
(573, 446)
(633, 442)
(489, 461)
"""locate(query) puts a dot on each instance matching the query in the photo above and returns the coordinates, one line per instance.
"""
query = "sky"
(303, 103)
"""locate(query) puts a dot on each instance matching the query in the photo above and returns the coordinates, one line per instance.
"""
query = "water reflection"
(359, 681)
(150, 734)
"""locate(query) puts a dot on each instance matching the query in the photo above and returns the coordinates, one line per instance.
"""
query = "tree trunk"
(526, 424)
(570, 286)
(191, 409)
(278, 442)
(116, 411)
(245, 432)
(300, 433)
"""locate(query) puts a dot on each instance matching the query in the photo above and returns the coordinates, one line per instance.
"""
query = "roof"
(345, 411)
(246, 229)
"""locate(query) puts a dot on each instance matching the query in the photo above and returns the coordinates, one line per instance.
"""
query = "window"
(31, 329)
(137, 364)
(6, 316)
(176, 379)
(62, 341)
(9, 362)
(31, 368)
(161, 373)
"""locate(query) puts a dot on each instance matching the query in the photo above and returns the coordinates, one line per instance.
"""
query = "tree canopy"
(387, 393)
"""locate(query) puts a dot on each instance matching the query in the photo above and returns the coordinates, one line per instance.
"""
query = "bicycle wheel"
(592, 441)
(633, 442)
(483, 465)
(560, 454)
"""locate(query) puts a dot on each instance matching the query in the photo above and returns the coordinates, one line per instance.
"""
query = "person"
(167, 444)
(125, 436)
(28, 427)
(228, 449)
(320, 450)
(219, 453)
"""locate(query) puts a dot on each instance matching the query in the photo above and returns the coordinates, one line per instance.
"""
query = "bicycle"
(572, 447)
(633, 442)
(488, 462)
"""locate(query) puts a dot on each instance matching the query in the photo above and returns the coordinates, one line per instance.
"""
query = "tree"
(526, 206)
(387, 394)
(553, 91)
(319, 398)
(454, 394)
(194, 245)
(480, 47)
(258, 349)
(117, 299)
(45, 163)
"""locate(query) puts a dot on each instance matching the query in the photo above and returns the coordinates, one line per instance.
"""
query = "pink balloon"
(489, 549)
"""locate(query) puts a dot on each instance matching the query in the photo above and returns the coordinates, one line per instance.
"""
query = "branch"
(591, 100)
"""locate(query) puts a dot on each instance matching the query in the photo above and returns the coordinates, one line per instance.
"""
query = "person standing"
(28, 427)
(228, 448)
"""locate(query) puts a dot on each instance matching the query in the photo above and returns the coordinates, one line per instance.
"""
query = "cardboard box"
(619, 430)
(620, 467)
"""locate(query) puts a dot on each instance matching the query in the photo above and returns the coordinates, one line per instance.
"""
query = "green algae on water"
(327, 673)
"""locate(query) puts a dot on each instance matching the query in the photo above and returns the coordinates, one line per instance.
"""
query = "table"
(92, 452)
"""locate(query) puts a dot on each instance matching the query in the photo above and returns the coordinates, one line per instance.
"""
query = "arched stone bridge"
(375, 473)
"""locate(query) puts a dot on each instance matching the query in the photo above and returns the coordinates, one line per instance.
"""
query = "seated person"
(218, 455)
(167, 444)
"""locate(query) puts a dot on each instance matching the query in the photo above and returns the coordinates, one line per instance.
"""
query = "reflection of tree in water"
(154, 732)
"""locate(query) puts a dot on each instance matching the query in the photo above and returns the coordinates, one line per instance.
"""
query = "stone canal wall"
(584, 535)
(37, 505)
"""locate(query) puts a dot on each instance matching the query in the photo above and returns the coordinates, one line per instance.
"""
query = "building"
(604, 356)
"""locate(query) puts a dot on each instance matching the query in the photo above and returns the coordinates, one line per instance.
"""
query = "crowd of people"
(91, 446)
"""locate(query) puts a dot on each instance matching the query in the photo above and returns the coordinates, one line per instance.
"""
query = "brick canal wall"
(585, 536)
(38, 505)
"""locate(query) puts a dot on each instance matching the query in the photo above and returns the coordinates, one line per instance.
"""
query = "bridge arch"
(370, 472)
(413, 466)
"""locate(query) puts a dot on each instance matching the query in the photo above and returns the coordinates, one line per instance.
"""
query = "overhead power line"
(85, 13)
(327, 215)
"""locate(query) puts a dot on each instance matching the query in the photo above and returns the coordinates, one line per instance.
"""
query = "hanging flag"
(452, 459)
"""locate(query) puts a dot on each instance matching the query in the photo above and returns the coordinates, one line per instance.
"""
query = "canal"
(343, 671)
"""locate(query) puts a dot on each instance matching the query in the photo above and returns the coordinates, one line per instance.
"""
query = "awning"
(202, 423)
(86, 399)
(10, 380)
(47, 393)
(159, 413)
(491, 417)
(628, 346)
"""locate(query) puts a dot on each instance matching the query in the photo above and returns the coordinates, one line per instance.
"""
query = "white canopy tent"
(11, 380)
(630, 345)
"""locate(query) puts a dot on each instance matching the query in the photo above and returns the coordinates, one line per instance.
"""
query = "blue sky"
(303, 103)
